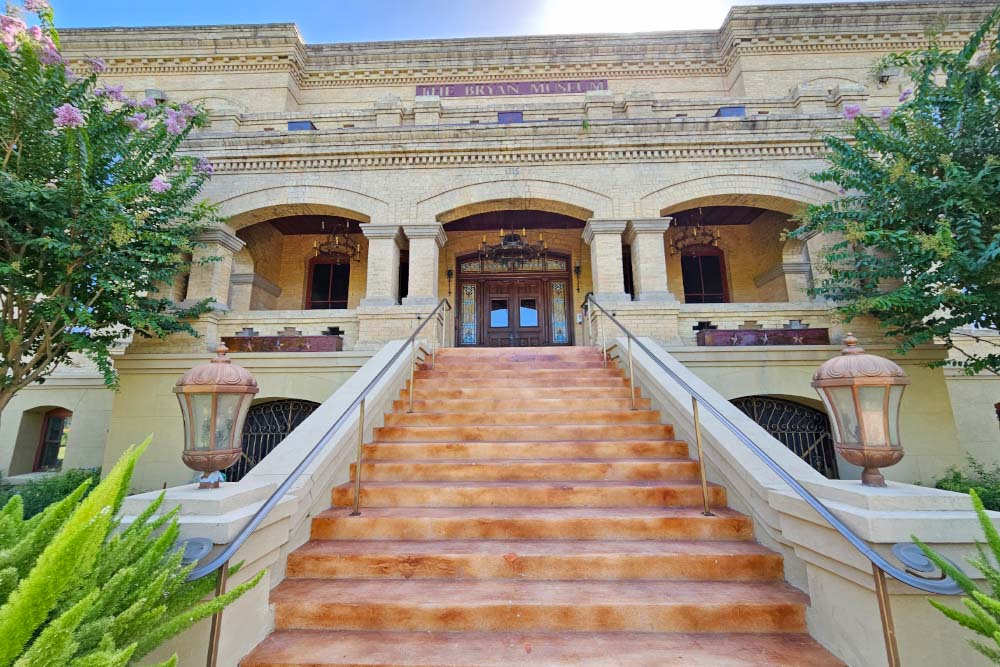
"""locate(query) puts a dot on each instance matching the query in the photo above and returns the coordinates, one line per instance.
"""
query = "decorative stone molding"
(388, 112)
(255, 280)
(781, 270)
(599, 104)
(434, 230)
(639, 104)
(222, 237)
(427, 110)
(383, 232)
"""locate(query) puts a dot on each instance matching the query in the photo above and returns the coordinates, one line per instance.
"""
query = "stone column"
(426, 242)
(605, 240)
(649, 262)
(383, 264)
(210, 279)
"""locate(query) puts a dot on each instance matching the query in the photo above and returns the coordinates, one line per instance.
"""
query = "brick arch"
(249, 208)
(769, 191)
(520, 194)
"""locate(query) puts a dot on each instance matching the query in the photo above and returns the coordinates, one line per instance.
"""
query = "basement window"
(348, 125)
(505, 117)
(731, 112)
(300, 125)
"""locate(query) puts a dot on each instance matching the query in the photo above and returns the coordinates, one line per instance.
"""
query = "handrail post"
(413, 365)
(885, 615)
(357, 467)
(707, 508)
(216, 628)
(631, 374)
(604, 342)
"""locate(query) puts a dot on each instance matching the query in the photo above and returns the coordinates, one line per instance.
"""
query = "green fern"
(78, 590)
(983, 615)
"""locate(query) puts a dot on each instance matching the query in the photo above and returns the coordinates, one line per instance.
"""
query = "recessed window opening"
(52, 444)
(328, 285)
(300, 125)
(505, 117)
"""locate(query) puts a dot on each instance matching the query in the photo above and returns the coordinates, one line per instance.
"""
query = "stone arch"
(768, 191)
(216, 104)
(279, 201)
(524, 194)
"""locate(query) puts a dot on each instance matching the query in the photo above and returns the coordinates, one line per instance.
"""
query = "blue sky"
(363, 20)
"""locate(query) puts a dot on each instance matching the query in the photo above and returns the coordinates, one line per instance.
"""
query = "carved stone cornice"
(256, 280)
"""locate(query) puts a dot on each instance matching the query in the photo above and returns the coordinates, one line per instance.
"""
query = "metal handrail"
(221, 561)
(941, 585)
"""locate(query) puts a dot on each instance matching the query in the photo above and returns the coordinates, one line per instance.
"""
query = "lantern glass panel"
(201, 421)
(872, 403)
(895, 399)
(834, 424)
(843, 406)
(225, 419)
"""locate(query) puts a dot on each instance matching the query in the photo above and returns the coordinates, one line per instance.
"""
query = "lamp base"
(872, 477)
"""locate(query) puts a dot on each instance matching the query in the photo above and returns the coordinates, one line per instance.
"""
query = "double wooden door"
(514, 312)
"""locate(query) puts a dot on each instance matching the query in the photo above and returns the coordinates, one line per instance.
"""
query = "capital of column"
(595, 227)
(433, 230)
(222, 237)
(646, 226)
(383, 232)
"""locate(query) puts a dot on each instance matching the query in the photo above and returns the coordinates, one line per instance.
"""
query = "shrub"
(984, 607)
(38, 494)
(985, 481)
(76, 591)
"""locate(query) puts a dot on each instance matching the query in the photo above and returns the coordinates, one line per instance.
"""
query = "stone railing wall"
(843, 613)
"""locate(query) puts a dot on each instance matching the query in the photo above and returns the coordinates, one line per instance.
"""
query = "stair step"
(446, 363)
(524, 432)
(519, 353)
(526, 523)
(648, 606)
(556, 449)
(533, 418)
(508, 405)
(581, 376)
(527, 470)
(529, 381)
(314, 648)
(444, 391)
(535, 559)
(531, 494)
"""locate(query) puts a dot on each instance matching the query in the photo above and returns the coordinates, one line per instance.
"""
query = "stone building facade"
(617, 151)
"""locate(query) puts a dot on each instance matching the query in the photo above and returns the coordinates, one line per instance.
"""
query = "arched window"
(329, 280)
(52, 443)
(804, 430)
(267, 424)
(703, 269)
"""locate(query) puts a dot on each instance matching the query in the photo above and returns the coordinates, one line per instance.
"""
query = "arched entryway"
(267, 424)
(803, 429)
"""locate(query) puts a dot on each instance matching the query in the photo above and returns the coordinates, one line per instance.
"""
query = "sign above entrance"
(567, 87)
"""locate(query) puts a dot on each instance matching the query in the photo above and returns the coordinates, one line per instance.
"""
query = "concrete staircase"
(523, 514)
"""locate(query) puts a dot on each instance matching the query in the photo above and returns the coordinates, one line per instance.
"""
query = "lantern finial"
(221, 351)
(851, 345)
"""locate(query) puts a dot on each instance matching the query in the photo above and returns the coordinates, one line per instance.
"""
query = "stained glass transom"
(560, 326)
(468, 324)
(550, 264)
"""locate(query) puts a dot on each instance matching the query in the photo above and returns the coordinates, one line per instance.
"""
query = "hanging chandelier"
(694, 235)
(338, 246)
(513, 251)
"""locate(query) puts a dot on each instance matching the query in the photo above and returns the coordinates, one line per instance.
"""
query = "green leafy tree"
(77, 591)
(918, 227)
(983, 607)
(97, 210)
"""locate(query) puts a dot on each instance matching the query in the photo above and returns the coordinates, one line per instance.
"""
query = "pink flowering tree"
(919, 216)
(97, 209)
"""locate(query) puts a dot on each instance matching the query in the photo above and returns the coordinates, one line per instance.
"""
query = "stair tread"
(509, 461)
(563, 484)
(533, 547)
(314, 648)
(472, 592)
(511, 512)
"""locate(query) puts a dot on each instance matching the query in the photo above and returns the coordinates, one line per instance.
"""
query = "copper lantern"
(214, 400)
(862, 393)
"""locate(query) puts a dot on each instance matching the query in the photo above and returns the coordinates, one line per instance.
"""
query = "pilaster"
(605, 240)
(649, 262)
(384, 242)
(426, 241)
(210, 277)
